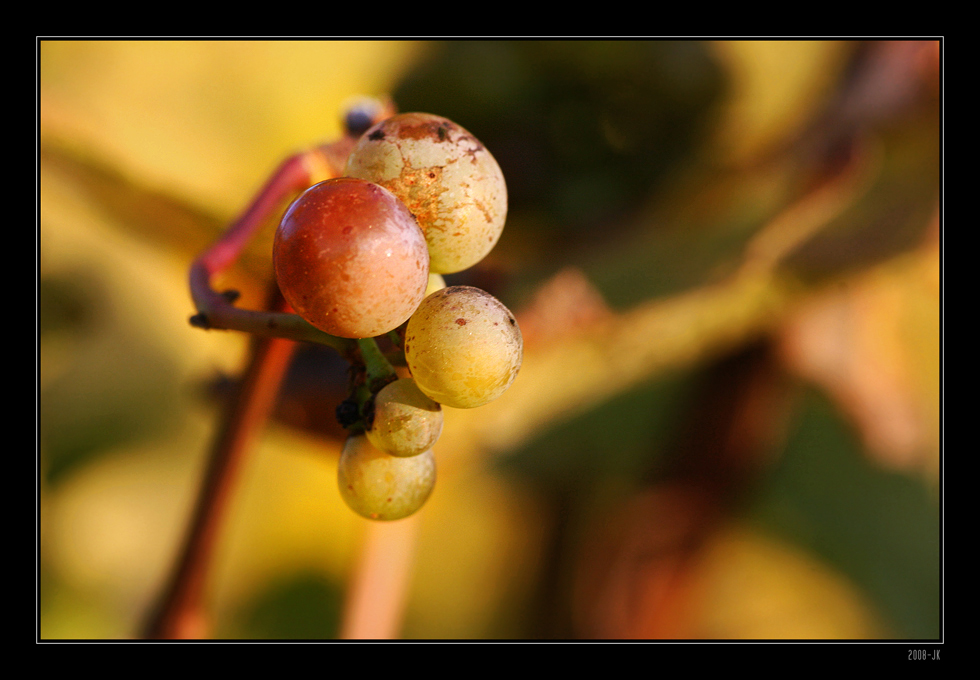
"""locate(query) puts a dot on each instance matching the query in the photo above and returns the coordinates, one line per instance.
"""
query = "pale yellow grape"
(406, 422)
(382, 487)
(436, 282)
(447, 179)
(463, 347)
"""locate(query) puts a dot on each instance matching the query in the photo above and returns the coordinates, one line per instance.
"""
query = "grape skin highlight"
(350, 258)
(382, 487)
(445, 177)
(463, 347)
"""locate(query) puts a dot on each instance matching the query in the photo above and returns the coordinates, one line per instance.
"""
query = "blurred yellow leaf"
(775, 86)
(750, 586)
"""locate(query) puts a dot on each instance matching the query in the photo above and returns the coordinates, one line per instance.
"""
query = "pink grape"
(351, 259)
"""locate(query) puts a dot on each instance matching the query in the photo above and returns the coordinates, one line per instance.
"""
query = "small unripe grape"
(378, 486)
(436, 282)
(445, 176)
(406, 422)
(350, 258)
(463, 347)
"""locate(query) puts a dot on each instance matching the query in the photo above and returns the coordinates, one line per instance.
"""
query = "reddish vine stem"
(215, 310)
(181, 612)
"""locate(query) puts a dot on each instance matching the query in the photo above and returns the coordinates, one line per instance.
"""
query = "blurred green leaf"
(880, 528)
(301, 607)
(583, 130)
(623, 438)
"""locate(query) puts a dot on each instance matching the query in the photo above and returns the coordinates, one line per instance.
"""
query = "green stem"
(379, 370)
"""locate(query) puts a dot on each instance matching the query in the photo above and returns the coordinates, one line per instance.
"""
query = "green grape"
(463, 347)
(406, 422)
(350, 258)
(445, 177)
(382, 487)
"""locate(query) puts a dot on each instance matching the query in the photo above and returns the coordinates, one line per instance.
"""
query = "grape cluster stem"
(380, 372)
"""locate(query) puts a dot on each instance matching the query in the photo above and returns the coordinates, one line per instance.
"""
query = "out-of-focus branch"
(180, 612)
(377, 592)
(619, 351)
(568, 377)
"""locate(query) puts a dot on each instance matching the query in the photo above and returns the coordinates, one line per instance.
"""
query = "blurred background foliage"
(790, 487)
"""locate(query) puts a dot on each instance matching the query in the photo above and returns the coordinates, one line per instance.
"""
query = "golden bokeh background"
(148, 148)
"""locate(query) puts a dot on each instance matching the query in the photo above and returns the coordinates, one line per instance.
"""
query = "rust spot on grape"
(512, 322)
(348, 230)
(473, 151)
(461, 322)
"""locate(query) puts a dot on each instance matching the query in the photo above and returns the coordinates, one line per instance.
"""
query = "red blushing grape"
(350, 258)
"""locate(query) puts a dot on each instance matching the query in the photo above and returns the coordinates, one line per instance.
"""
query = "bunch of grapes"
(362, 256)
